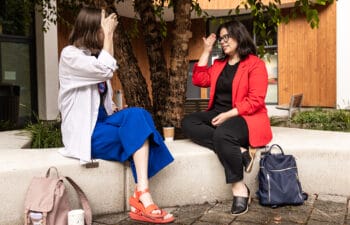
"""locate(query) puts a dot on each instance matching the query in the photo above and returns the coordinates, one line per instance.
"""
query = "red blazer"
(249, 88)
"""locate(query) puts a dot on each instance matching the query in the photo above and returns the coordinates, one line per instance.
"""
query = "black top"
(223, 92)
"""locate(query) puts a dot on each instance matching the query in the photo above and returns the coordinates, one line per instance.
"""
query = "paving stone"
(205, 223)
(329, 212)
(254, 217)
(224, 207)
(111, 218)
(190, 214)
(295, 214)
(283, 223)
(316, 222)
(332, 198)
(243, 223)
(217, 218)
(256, 214)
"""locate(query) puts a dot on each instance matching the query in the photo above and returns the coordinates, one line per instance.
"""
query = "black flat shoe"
(248, 159)
(240, 204)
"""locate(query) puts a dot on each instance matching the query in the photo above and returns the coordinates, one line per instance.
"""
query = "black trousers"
(225, 140)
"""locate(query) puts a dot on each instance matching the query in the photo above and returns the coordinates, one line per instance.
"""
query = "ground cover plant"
(317, 119)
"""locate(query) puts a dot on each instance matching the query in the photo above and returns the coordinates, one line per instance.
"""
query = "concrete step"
(196, 176)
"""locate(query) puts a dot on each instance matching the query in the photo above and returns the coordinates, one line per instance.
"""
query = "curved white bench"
(196, 176)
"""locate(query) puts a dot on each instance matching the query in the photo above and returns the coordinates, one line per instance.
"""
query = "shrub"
(45, 134)
(278, 121)
(320, 119)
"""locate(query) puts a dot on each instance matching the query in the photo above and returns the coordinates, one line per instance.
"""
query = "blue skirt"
(118, 136)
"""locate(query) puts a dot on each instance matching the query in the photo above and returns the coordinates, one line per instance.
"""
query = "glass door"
(17, 56)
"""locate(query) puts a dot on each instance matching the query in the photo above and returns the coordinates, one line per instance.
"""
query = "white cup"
(169, 133)
(76, 217)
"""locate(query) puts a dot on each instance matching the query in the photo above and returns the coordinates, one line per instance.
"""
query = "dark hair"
(86, 29)
(239, 32)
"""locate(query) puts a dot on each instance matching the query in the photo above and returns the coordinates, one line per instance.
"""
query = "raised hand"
(209, 42)
(109, 23)
(108, 26)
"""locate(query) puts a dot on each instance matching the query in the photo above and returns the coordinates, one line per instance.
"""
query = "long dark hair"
(237, 31)
(86, 29)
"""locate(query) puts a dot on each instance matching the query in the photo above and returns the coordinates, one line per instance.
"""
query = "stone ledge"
(103, 187)
(14, 139)
(195, 177)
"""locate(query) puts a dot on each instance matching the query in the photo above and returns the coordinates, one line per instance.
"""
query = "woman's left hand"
(219, 119)
(222, 117)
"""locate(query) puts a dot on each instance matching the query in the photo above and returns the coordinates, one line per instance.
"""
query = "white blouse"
(78, 97)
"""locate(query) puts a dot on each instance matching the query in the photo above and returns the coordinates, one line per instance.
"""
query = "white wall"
(343, 54)
(47, 70)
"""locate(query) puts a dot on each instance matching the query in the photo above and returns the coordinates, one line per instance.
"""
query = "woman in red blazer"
(236, 117)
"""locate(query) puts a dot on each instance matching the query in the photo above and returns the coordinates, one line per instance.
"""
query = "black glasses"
(224, 38)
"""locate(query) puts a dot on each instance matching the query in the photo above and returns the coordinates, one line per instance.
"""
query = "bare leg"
(239, 189)
(141, 164)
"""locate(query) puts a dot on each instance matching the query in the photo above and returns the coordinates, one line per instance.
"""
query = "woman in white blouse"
(90, 126)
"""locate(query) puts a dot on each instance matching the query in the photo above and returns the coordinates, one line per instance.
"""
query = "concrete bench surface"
(196, 176)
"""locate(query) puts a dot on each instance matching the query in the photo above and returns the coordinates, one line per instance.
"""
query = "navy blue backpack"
(279, 183)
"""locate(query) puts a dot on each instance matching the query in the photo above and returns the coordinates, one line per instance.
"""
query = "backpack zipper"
(269, 186)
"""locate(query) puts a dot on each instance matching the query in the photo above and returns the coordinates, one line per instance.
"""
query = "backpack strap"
(83, 200)
(26, 217)
(274, 146)
(44, 218)
(305, 196)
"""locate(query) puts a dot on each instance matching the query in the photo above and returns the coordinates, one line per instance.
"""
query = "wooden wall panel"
(232, 4)
(307, 60)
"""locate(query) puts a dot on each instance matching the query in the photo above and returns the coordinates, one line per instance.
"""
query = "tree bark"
(129, 73)
(157, 62)
(179, 62)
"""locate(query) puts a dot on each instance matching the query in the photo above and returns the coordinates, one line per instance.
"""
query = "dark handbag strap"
(274, 146)
(83, 200)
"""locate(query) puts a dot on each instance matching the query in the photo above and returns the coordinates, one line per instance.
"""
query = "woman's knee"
(140, 111)
(187, 123)
(222, 137)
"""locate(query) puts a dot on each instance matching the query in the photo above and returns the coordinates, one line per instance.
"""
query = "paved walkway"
(318, 210)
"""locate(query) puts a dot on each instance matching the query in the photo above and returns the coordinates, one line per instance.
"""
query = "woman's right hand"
(209, 42)
(109, 23)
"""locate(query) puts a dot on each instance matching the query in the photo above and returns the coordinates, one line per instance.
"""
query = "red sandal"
(145, 214)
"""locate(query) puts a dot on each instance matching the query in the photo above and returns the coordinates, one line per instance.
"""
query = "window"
(17, 65)
(192, 91)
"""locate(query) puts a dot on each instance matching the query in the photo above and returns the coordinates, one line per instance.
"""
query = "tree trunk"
(129, 73)
(179, 62)
(155, 53)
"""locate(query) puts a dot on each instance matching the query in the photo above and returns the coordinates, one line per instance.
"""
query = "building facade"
(310, 61)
